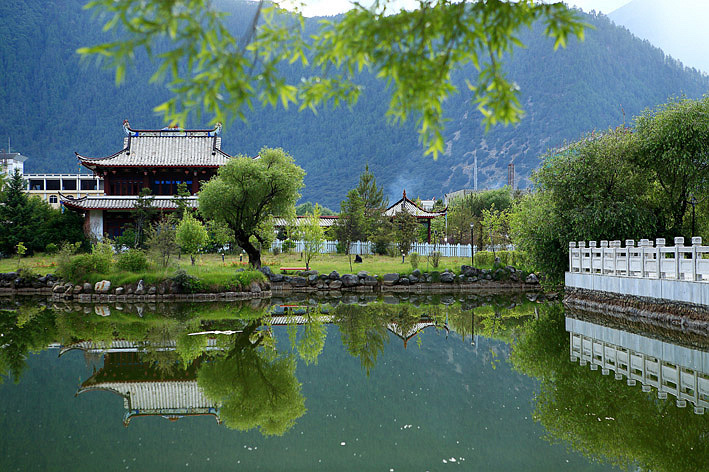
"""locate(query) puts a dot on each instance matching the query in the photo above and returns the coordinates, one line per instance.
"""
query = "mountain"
(52, 104)
(678, 27)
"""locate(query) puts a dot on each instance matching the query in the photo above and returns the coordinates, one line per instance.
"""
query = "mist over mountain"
(677, 27)
(52, 104)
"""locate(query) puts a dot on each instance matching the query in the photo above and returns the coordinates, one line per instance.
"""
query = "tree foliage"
(32, 221)
(247, 192)
(405, 231)
(414, 51)
(191, 235)
(673, 143)
(588, 191)
(312, 235)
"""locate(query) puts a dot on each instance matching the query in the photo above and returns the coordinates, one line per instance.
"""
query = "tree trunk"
(251, 250)
(192, 258)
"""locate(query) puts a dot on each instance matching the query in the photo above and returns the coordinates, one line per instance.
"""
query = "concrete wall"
(665, 289)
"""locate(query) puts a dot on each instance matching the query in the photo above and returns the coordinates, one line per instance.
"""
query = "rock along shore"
(470, 279)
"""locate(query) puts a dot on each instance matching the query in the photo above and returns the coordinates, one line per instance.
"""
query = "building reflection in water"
(668, 368)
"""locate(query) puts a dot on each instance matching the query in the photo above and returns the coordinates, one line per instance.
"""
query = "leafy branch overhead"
(209, 69)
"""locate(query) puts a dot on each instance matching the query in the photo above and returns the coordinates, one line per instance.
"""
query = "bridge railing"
(647, 259)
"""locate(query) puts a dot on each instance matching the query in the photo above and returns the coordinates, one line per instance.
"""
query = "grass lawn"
(210, 266)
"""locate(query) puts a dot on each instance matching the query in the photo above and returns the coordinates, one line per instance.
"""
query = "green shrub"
(132, 260)
(102, 256)
(288, 245)
(246, 277)
(184, 282)
(51, 249)
(484, 258)
(414, 260)
(435, 258)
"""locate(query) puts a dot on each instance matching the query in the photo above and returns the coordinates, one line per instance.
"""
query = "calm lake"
(420, 384)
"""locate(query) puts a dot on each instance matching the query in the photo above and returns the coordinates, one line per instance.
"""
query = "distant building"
(11, 161)
(448, 198)
(158, 160)
(422, 215)
(49, 186)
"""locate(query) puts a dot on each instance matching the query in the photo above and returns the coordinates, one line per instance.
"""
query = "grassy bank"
(211, 271)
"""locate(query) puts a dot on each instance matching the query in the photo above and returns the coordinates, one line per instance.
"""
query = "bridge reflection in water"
(669, 368)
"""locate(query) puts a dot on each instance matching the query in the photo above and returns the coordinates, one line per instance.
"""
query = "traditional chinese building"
(421, 215)
(158, 160)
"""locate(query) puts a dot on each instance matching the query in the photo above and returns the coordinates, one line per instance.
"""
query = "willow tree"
(246, 193)
(416, 51)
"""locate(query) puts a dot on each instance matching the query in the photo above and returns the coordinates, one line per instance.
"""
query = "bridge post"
(679, 241)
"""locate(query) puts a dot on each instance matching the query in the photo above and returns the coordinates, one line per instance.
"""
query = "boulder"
(349, 280)
(254, 287)
(120, 290)
(471, 279)
(310, 272)
(276, 278)
(313, 279)
(404, 281)
(298, 281)
(334, 275)
(58, 288)
(416, 273)
(499, 274)
(266, 270)
(447, 277)
(413, 278)
(103, 286)
(510, 269)
(140, 289)
(152, 290)
(335, 284)
(390, 279)
(87, 287)
(77, 289)
(532, 279)
(362, 274)
(370, 281)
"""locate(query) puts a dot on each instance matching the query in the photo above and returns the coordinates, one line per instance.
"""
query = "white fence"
(646, 260)
(423, 249)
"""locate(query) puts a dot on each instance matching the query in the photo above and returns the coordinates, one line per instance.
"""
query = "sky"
(333, 7)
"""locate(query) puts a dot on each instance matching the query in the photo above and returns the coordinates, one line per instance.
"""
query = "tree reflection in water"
(254, 385)
(601, 417)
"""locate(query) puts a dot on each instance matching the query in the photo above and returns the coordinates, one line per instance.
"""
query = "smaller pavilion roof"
(169, 147)
(16, 156)
(121, 202)
(405, 204)
(325, 221)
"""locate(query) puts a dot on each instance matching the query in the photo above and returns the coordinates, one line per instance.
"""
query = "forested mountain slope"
(52, 104)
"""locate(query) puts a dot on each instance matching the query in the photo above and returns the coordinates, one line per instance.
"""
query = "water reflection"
(666, 367)
(604, 419)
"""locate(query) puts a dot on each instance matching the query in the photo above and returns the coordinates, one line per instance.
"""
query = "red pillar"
(429, 231)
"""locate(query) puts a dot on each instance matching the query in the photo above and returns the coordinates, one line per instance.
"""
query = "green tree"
(673, 142)
(495, 224)
(141, 214)
(588, 191)
(161, 240)
(414, 51)
(312, 235)
(405, 230)
(191, 235)
(246, 193)
(373, 200)
(349, 226)
(181, 201)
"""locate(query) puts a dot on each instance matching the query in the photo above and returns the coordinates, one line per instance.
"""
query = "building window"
(53, 184)
(53, 199)
(36, 184)
(87, 184)
(69, 184)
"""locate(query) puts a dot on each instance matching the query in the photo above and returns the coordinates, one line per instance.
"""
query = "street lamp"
(472, 245)
(693, 202)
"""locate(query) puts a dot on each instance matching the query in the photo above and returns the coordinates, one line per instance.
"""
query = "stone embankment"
(469, 279)
(655, 312)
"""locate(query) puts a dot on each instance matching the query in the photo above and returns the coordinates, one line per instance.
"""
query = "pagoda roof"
(325, 221)
(169, 147)
(12, 156)
(122, 202)
(405, 204)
